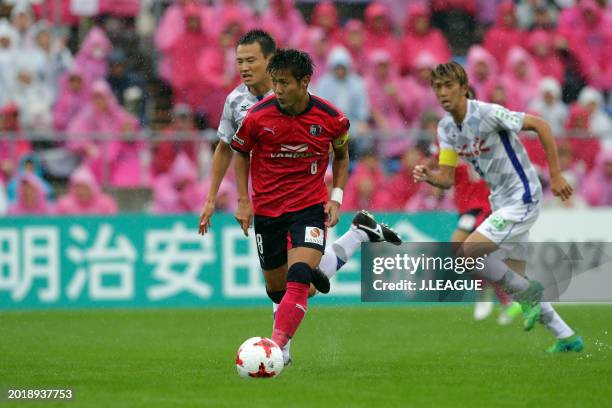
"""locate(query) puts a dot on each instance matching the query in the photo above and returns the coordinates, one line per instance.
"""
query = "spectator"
(482, 71)
(420, 36)
(51, 56)
(227, 12)
(48, 10)
(388, 103)
(379, 31)
(589, 39)
(13, 146)
(180, 137)
(31, 198)
(325, 17)
(74, 92)
(583, 144)
(172, 26)
(521, 78)
(504, 35)
(92, 57)
(120, 8)
(354, 41)
(549, 106)
(23, 20)
(85, 196)
(598, 185)
(29, 164)
(33, 98)
(418, 87)
(402, 184)
(216, 75)
(533, 13)
(128, 87)
(345, 89)
(599, 121)
(103, 116)
(178, 191)
(365, 187)
(542, 48)
(499, 94)
(318, 46)
(285, 23)
(8, 55)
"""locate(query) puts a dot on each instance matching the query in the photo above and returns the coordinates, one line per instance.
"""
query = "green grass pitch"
(359, 356)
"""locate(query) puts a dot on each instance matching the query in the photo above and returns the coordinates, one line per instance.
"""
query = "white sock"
(288, 345)
(329, 262)
(553, 322)
(497, 271)
(349, 243)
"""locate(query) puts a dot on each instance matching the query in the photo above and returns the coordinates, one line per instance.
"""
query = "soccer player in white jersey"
(486, 136)
(253, 53)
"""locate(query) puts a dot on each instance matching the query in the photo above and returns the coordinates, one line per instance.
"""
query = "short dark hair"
(297, 62)
(265, 41)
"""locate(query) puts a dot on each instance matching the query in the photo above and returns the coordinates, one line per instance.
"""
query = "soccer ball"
(259, 357)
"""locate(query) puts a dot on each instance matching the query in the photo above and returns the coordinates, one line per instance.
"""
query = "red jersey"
(471, 192)
(289, 154)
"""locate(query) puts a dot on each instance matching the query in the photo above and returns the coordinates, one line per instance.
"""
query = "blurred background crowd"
(112, 105)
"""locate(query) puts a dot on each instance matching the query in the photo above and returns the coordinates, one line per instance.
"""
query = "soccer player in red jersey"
(284, 142)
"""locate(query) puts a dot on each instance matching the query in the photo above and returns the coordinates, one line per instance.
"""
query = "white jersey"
(488, 139)
(237, 103)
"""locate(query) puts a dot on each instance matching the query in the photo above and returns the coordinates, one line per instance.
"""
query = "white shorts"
(509, 227)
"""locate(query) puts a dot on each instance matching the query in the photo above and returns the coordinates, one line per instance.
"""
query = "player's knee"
(276, 295)
(300, 272)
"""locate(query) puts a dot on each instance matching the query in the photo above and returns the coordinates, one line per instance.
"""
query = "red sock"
(504, 298)
(290, 312)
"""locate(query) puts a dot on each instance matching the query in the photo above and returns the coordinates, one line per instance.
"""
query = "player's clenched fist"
(561, 188)
(420, 173)
(244, 215)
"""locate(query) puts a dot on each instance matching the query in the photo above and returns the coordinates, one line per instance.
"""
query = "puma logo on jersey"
(267, 129)
(296, 149)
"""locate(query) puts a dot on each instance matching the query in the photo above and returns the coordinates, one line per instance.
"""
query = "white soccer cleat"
(482, 310)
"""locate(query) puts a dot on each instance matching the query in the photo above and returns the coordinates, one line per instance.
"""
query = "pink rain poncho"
(284, 22)
(504, 35)
(379, 32)
(91, 58)
(365, 186)
(542, 48)
(521, 78)
(482, 70)
(598, 185)
(73, 94)
(172, 26)
(325, 17)
(388, 103)
(354, 40)
(102, 116)
(85, 196)
(419, 36)
(417, 86)
(585, 146)
(31, 198)
(430, 198)
(120, 8)
(13, 148)
(178, 191)
(227, 12)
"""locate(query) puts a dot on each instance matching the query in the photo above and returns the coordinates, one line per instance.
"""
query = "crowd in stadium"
(80, 84)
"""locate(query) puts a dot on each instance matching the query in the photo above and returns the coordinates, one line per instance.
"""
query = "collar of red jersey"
(308, 107)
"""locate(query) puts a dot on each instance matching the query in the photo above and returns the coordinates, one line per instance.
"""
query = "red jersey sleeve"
(342, 126)
(246, 136)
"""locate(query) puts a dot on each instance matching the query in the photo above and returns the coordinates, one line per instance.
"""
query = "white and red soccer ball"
(259, 357)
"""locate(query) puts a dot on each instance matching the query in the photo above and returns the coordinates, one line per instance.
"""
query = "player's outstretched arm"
(442, 177)
(244, 212)
(220, 163)
(559, 186)
(340, 167)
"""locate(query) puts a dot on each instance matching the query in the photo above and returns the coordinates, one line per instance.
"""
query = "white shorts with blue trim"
(509, 227)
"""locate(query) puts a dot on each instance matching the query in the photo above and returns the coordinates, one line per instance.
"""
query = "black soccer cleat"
(377, 232)
(320, 281)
